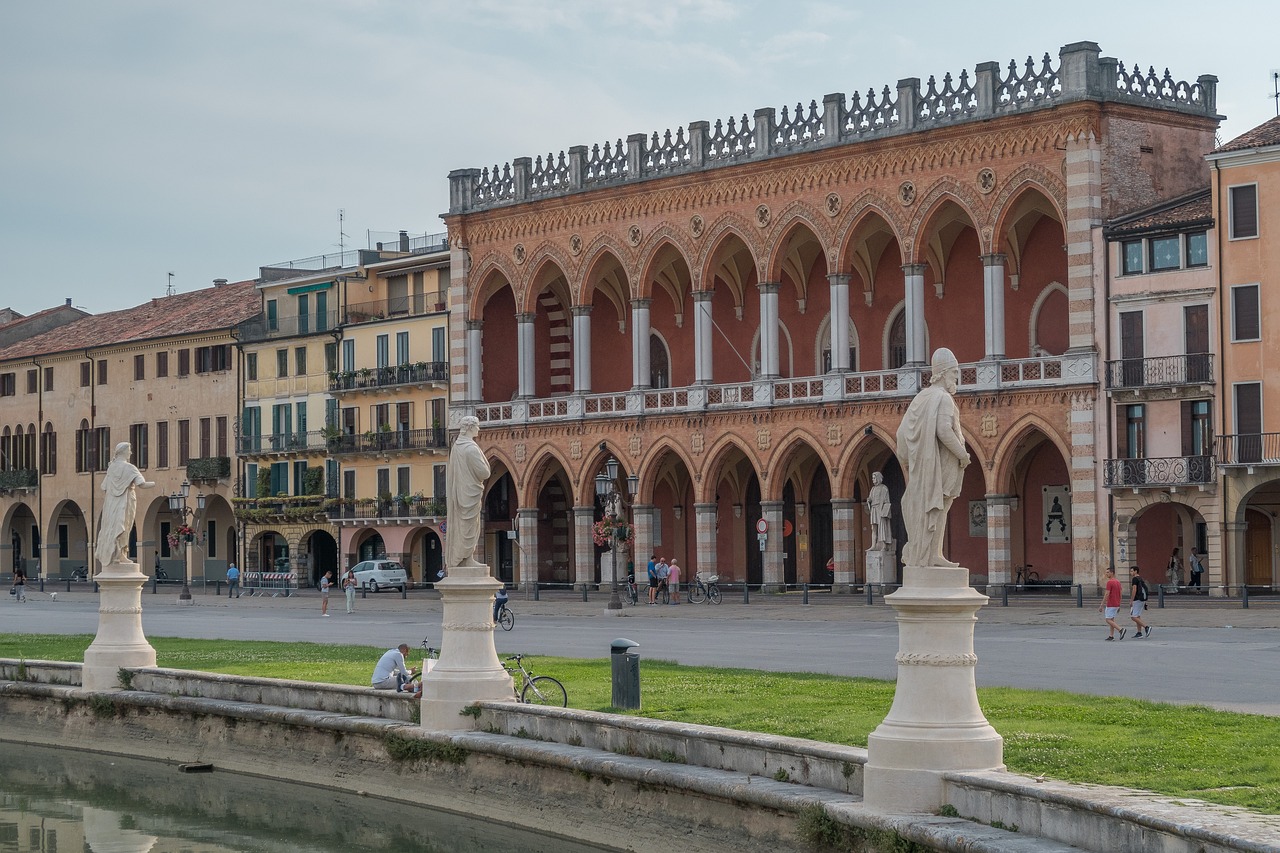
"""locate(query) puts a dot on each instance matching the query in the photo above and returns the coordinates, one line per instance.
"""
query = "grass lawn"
(1172, 749)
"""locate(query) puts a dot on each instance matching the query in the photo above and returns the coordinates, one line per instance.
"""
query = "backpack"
(1142, 589)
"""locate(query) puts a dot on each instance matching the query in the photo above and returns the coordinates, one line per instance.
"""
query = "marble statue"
(880, 510)
(464, 488)
(933, 457)
(119, 506)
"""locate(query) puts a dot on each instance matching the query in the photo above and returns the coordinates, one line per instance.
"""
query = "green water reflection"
(59, 801)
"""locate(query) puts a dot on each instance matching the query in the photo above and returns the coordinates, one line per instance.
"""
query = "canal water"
(61, 801)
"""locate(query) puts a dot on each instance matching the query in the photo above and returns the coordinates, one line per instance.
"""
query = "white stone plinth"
(935, 725)
(882, 565)
(468, 669)
(120, 641)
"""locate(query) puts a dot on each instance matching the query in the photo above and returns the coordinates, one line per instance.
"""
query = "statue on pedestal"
(119, 506)
(464, 488)
(880, 511)
(933, 456)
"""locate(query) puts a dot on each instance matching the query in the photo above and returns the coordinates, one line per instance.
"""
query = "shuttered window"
(1244, 313)
(1244, 211)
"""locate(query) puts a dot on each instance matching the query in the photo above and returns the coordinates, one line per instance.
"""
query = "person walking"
(1110, 605)
(325, 583)
(673, 581)
(233, 581)
(1138, 603)
(349, 588)
(20, 584)
(1175, 571)
(1197, 570)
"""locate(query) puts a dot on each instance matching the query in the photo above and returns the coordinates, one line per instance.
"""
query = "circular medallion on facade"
(518, 252)
(696, 225)
(986, 180)
(763, 216)
(633, 235)
(575, 244)
(833, 204)
(907, 193)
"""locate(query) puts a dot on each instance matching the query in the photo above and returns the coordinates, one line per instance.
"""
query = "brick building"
(740, 312)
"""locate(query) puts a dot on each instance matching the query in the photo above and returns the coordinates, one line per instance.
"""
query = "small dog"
(53, 596)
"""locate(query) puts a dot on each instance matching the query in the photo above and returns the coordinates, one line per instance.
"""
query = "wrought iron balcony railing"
(1158, 471)
(384, 441)
(1160, 372)
(410, 305)
(292, 442)
(395, 508)
(262, 328)
(382, 377)
(1256, 448)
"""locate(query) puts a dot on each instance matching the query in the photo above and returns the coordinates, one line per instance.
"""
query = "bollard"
(625, 666)
(68, 584)
(1160, 595)
(584, 592)
(217, 588)
(1079, 595)
(404, 592)
(805, 599)
(1004, 593)
(42, 584)
(746, 593)
(155, 585)
(535, 590)
(871, 592)
(364, 591)
(1244, 597)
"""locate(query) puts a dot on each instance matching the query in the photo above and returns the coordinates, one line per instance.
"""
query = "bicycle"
(428, 653)
(506, 618)
(535, 689)
(629, 591)
(1023, 575)
(661, 595)
(705, 591)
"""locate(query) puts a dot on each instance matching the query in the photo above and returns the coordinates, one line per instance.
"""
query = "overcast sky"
(140, 137)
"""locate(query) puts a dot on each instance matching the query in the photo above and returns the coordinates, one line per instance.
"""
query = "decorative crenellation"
(1081, 74)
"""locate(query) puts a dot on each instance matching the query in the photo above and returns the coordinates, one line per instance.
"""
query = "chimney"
(404, 241)
(219, 282)
(68, 301)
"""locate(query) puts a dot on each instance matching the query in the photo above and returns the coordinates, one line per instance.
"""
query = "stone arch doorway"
(266, 552)
(371, 547)
(322, 551)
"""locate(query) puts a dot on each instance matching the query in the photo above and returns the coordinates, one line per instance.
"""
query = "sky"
(140, 138)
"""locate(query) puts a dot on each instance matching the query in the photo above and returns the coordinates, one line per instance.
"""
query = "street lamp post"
(178, 506)
(607, 491)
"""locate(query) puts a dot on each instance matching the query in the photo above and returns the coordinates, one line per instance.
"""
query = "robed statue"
(880, 510)
(464, 488)
(119, 506)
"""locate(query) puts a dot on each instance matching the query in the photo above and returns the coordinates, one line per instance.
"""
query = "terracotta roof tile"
(206, 310)
(1262, 136)
(1193, 209)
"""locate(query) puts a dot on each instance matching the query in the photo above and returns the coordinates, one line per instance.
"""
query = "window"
(251, 438)
(215, 358)
(1132, 252)
(349, 485)
(48, 379)
(7, 384)
(48, 450)
(304, 315)
(348, 355)
(1248, 417)
(299, 478)
(300, 361)
(1244, 211)
(1165, 253)
(322, 311)
(251, 477)
(1132, 437)
(330, 478)
(282, 363)
(438, 345)
(384, 350)
(162, 364)
(162, 444)
(330, 357)
(381, 415)
(1244, 313)
(184, 362)
(33, 380)
(437, 480)
(1198, 249)
(102, 371)
(402, 417)
(184, 442)
(384, 481)
(273, 316)
(282, 424)
(206, 438)
(279, 478)
(898, 341)
(1197, 429)
(220, 431)
(302, 418)
(402, 480)
(86, 373)
(251, 366)
(141, 448)
(402, 347)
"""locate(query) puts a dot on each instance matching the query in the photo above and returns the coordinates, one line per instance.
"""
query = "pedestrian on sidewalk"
(20, 584)
(325, 583)
(653, 580)
(233, 581)
(1138, 603)
(1175, 571)
(349, 587)
(1110, 605)
(1197, 570)
(673, 581)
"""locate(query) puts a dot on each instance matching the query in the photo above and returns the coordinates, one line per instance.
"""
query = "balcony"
(315, 441)
(424, 372)
(412, 305)
(209, 468)
(1163, 372)
(1158, 472)
(982, 377)
(19, 478)
(259, 328)
(396, 509)
(299, 508)
(388, 441)
(1248, 449)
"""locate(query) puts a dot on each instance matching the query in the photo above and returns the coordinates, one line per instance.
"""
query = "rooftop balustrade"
(1159, 472)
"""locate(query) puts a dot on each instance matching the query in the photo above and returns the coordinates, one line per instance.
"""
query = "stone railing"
(982, 377)
(1081, 74)
(1158, 472)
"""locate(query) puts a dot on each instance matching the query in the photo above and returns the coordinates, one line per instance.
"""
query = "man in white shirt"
(391, 673)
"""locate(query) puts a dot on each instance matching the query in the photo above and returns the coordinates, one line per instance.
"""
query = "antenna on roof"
(1275, 88)
(342, 235)
(168, 291)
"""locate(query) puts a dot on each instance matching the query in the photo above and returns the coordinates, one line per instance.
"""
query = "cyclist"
(499, 602)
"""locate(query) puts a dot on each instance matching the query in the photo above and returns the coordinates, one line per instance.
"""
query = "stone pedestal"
(468, 669)
(935, 725)
(882, 565)
(120, 641)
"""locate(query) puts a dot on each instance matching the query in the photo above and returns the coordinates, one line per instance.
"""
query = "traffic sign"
(762, 526)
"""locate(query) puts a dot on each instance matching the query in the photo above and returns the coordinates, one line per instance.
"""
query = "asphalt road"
(1199, 652)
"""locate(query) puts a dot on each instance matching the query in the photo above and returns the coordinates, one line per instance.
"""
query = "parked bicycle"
(705, 588)
(629, 591)
(428, 653)
(1023, 576)
(535, 689)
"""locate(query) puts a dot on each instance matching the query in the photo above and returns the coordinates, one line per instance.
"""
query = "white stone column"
(993, 303)
(702, 337)
(119, 641)
(839, 327)
(769, 329)
(705, 529)
(527, 531)
(584, 547)
(475, 355)
(524, 354)
(640, 368)
(772, 575)
(844, 546)
(642, 520)
(581, 349)
(913, 280)
(999, 540)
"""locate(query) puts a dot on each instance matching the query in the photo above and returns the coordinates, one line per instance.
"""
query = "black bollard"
(1079, 595)
(1244, 597)
(746, 593)
(1004, 593)
(805, 599)
(535, 590)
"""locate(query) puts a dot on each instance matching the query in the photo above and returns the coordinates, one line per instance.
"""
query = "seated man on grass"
(391, 673)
